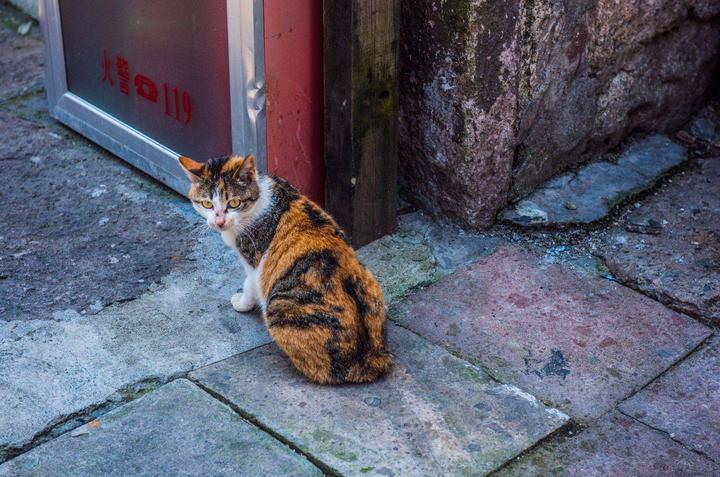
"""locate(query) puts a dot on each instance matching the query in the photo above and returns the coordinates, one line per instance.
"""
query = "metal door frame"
(247, 97)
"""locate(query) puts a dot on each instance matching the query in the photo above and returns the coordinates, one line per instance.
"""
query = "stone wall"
(499, 95)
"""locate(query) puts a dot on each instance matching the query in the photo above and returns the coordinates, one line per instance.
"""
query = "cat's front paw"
(242, 302)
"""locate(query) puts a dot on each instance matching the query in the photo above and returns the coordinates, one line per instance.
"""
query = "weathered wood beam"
(361, 102)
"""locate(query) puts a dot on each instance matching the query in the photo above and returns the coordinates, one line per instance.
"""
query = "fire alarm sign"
(154, 80)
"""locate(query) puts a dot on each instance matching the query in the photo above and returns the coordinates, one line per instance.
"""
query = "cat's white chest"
(252, 274)
(228, 237)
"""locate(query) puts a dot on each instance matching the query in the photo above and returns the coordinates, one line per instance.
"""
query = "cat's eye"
(206, 203)
(234, 203)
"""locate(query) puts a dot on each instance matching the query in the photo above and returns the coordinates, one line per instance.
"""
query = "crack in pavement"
(69, 422)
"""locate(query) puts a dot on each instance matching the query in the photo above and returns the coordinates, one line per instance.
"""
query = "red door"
(294, 88)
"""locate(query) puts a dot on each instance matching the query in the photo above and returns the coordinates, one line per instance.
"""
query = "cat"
(320, 305)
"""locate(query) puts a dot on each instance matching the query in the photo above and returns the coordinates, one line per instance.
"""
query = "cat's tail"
(376, 363)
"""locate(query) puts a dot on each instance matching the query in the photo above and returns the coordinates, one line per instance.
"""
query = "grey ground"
(543, 348)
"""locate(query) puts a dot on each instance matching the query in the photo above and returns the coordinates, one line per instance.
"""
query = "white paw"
(242, 303)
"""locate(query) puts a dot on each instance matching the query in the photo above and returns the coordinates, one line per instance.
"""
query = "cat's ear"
(192, 168)
(242, 168)
(249, 168)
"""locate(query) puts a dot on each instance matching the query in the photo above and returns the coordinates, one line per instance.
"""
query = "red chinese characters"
(123, 72)
(177, 104)
(106, 66)
(146, 88)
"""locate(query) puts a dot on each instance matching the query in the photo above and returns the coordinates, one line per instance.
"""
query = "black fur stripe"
(319, 218)
(354, 290)
(340, 362)
(325, 262)
(214, 167)
(306, 321)
(256, 238)
(308, 296)
(316, 216)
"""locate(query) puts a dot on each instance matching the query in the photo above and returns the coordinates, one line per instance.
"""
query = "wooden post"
(360, 75)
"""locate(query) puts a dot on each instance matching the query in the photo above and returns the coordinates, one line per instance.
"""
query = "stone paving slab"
(590, 193)
(685, 402)
(176, 430)
(21, 56)
(578, 341)
(616, 446)
(420, 252)
(678, 260)
(51, 370)
(435, 414)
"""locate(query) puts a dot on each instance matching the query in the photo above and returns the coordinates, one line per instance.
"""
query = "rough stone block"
(669, 248)
(498, 96)
(685, 402)
(594, 72)
(176, 430)
(615, 446)
(434, 414)
(459, 65)
(590, 193)
(578, 341)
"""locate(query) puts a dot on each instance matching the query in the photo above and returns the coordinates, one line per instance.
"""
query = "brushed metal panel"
(160, 67)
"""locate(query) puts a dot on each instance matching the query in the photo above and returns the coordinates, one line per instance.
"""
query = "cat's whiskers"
(199, 231)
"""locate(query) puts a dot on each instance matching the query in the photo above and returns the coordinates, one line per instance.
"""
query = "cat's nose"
(219, 221)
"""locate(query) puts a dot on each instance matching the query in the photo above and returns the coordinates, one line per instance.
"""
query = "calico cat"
(320, 305)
